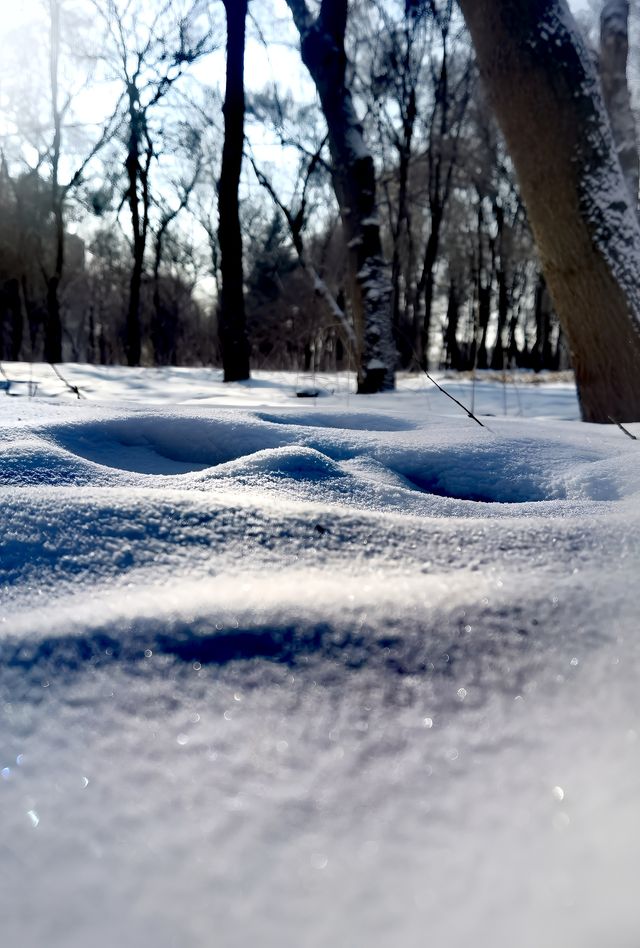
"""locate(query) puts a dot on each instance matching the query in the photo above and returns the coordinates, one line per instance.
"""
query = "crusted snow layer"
(347, 671)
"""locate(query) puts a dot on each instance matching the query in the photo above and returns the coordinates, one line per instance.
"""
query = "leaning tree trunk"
(323, 53)
(614, 52)
(232, 332)
(547, 97)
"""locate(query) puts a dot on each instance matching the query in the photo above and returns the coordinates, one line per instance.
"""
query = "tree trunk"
(162, 333)
(426, 285)
(452, 350)
(53, 322)
(11, 325)
(232, 333)
(402, 236)
(402, 228)
(323, 53)
(164, 320)
(53, 325)
(546, 94)
(497, 355)
(614, 51)
(542, 355)
(132, 164)
(484, 315)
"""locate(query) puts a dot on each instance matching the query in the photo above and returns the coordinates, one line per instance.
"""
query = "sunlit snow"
(337, 670)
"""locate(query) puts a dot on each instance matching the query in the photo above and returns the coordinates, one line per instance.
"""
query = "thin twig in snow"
(72, 388)
(463, 407)
(468, 411)
(622, 428)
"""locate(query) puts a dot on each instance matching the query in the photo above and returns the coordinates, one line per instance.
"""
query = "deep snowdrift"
(345, 670)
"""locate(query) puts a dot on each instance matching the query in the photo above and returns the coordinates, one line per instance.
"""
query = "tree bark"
(53, 323)
(10, 320)
(542, 355)
(614, 52)
(354, 181)
(426, 284)
(138, 180)
(452, 349)
(402, 226)
(232, 333)
(545, 91)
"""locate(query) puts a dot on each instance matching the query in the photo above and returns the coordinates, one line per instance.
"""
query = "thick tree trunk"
(232, 333)
(614, 51)
(546, 95)
(323, 53)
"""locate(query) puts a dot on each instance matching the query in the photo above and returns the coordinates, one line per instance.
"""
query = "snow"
(348, 670)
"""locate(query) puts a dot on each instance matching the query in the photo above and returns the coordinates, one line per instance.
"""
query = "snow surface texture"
(346, 671)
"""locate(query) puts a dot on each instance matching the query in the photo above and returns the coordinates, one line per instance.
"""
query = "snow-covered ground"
(348, 671)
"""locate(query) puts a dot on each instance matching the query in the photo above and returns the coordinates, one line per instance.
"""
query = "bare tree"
(163, 326)
(392, 80)
(232, 333)
(545, 91)
(322, 44)
(55, 146)
(450, 99)
(295, 216)
(149, 57)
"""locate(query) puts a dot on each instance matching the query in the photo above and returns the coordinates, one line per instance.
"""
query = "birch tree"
(322, 45)
(545, 91)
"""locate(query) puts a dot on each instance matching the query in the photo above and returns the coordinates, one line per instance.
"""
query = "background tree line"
(380, 184)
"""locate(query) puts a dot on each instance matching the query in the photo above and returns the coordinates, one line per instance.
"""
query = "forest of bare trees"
(319, 186)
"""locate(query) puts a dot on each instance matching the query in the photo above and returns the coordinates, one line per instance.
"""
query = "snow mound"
(355, 420)
(32, 462)
(436, 630)
(501, 472)
(159, 444)
(359, 676)
(296, 463)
